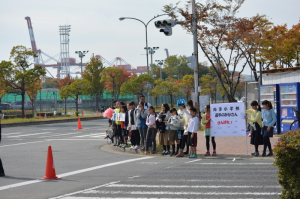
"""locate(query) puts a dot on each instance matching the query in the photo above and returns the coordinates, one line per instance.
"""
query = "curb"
(49, 122)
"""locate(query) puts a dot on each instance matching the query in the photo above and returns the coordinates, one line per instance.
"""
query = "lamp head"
(121, 18)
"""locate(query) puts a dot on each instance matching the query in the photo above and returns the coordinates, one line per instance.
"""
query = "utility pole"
(81, 55)
(160, 63)
(195, 42)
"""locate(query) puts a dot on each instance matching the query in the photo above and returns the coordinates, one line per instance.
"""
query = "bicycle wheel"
(294, 126)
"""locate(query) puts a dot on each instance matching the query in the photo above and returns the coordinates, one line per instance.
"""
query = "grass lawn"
(36, 119)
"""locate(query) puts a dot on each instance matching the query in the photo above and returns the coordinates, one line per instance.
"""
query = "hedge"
(287, 159)
(49, 114)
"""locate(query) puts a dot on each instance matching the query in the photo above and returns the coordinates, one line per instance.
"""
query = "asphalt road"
(88, 172)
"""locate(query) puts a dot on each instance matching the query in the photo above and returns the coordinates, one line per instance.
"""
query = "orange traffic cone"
(25, 115)
(40, 117)
(79, 124)
(97, 112)
(82, 113)
(50, 169)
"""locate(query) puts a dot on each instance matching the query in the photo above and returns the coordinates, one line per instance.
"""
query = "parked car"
(5, 106)
(18, 105)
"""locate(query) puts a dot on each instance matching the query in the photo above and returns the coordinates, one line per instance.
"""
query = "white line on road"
(180, 193)
(74, 172)
(12, 133)
(89, 135)
(28, 135)
(193, 161)
(104, 185)
(23, 143)
(76, 139)
(48, 129)
(263, 163)
(189, 186)
(59, 135)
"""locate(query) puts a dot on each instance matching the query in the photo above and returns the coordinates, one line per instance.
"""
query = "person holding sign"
(255, 126)
(206, 122)
(268, 123)
(192, 130)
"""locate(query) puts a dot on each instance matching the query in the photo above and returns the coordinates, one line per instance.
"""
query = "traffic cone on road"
(79, 124)
(40, 117)
(97, 112)
(50, 168)
(82, 113)
(1, 169)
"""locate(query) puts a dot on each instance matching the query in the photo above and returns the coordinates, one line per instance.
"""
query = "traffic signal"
(165, 26)
(193, 61)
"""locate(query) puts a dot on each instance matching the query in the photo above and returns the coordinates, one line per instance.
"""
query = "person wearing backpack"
(152, 130)
(268, 123)
(133, 126)
(174, 123)
(163, 132)
(255, 126)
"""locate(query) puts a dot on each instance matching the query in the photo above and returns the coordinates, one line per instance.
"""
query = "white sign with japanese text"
(227, 119)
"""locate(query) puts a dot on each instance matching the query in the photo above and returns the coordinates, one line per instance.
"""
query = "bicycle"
(294, 125)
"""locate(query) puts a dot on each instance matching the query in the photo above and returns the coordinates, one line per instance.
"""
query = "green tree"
(93, 74)
(168, 88)
(177, 65)
(155, 92)
(18, 72)
(32, 90)
(76, 88)
(111, 78)
(137, 86)
(187, 85)
(3, 90)
(209, 86)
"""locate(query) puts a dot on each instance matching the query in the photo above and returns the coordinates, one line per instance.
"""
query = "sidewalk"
(230, 145)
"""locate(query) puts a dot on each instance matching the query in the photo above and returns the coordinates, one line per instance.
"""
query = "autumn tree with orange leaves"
(32, 90)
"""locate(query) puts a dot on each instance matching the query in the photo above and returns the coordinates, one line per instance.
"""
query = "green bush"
(17, 116)
(287, 159)
(76, 113)
(49, 114)
(15, 112)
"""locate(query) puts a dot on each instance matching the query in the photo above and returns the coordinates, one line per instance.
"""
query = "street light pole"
(81, 55)
(160, 63)
(151, 51)
(195, 42)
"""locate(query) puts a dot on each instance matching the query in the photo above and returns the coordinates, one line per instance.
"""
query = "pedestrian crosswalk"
(193, 180)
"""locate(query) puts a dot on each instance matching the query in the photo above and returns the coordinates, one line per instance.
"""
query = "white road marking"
(74, 172)
(189, 186)
(48, 129)
(28, 135)
(63, 196)
(55, 135)
(193, 161)
(133, 177)
(93, 134)
(23, 143)
(263, 163)
(77, 139)
(12, 133)
(181, 193)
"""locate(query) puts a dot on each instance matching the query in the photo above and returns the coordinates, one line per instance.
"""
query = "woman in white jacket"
(133, 125)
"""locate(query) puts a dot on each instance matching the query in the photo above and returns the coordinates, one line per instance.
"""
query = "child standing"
(184, 136)
(174, 123)
(206, 122)
(142, 114)
(152, 130)
(132, 125)
(192, 130)
(124, 127)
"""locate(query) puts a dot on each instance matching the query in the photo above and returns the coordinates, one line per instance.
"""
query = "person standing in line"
(174, 123)
(142, 114)
(133, 125)
(119, 128)
(189, 105)
(206, 122)
(192, 129)
(255, 126)
(152, 130)
(124, 127)
(268, 123)
(146, 104)
(163, 134)
(0, 123)
(183, 121)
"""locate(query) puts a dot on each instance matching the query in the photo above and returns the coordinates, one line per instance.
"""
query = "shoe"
(180, 154)
(253, 153)
(207, 154)
(186, 153)
(125, 146)
(167, 152)
(146, 151)
(163, 153)
(142, 148)
(153, 151)
(192, 156)
(214, 153)
(176, 152)
(270, 154)
(136, 147)
(263, 155)
(172, 154)
(115, 145)
(131, 147)
(256, 154)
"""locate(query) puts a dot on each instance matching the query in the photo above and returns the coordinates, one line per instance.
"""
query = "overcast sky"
(95, 26)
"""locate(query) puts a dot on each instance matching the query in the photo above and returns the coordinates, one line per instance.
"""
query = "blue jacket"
(269, 117)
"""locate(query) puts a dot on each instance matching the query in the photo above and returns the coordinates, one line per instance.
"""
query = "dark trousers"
(267, 143)
(119, 134)
(213, 142)
(151, 135)
(136, 137)
(184, 142)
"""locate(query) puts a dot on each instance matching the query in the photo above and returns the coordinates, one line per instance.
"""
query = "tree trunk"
(76, 102)
(171, 100)
(33, 107)
(223, 97)
(156, 101)
(65, 106)
(23, 97)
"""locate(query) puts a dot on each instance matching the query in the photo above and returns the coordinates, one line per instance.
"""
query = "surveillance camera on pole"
(193, 64)
(165, 26)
